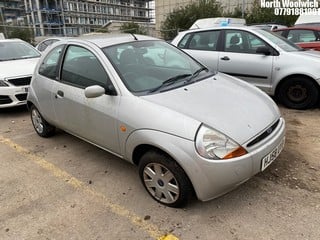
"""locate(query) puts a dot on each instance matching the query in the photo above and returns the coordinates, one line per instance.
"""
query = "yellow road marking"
(151, 229)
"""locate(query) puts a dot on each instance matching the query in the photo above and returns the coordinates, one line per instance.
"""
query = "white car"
(260, 57)
(17, 62)
(44, 44)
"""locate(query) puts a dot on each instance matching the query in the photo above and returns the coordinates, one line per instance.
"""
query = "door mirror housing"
(263, 50)
(94, 91)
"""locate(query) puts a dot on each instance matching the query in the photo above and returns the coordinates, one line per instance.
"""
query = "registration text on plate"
(267, 160)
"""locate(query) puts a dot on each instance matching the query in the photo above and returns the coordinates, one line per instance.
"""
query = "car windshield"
(282, 42)
(16, 50)
(151, 66)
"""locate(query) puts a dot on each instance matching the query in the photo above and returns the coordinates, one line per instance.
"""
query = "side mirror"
(94, 91)
(263, 50)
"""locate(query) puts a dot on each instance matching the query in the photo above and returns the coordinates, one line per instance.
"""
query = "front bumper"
(213, 178)
(13, 96)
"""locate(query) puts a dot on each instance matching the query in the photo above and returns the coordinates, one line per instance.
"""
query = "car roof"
(108, 39)
(11, 40)
(244, 27)
(299, 27)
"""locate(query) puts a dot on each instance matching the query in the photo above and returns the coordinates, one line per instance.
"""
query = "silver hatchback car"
(260, 57)
(189, 130)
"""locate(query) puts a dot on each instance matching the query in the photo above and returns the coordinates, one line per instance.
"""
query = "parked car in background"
(17, 62)
(216, 22)
(41, 46)
(307, 37)
(269, 26)
(268, 61)
(144, 100)
(308, 20)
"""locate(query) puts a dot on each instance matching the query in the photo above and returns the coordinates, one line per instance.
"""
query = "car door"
(94, 119)
(240, 59)
(46, 79)
(203, 46)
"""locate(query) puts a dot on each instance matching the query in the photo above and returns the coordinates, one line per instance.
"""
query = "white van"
(308, 20)
(216, 22)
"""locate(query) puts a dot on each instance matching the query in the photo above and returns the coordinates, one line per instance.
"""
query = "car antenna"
(134, 36)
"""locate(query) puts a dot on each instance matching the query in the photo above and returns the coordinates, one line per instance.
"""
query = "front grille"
(5, 99)
(20, 81)
(264, 134)
(22, 96)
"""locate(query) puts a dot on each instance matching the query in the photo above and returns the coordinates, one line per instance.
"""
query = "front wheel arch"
(157, 159)
(142, 149)
(310, 101)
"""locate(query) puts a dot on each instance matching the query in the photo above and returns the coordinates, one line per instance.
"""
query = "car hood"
(17, 67)
(309, 53)
(231, 106)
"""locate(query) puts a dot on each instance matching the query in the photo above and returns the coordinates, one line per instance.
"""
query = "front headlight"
(215, 145)
(3, 84)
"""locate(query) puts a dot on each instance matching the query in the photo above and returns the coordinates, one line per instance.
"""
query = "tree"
(22, 33)
(266, 15)
(183, 17)
(132, 27)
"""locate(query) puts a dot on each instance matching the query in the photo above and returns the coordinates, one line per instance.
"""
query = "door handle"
(225, 58)
(59, 94)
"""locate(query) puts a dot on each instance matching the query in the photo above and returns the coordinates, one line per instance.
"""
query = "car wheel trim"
(37, 121)
(297, 93)
(161, 183)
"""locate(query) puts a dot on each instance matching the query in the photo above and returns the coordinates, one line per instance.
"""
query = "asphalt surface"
(65, 188)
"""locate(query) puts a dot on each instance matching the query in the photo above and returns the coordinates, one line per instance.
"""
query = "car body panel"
(216, 93)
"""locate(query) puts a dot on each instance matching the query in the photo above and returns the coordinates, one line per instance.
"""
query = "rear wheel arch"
(41, 126)
(310, 82)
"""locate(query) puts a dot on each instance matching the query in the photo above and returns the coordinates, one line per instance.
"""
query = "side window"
(82, 69)
(49, 65)
(242, 42)
(302, 36)
(206, 41)
(279, 32)
(183, 42)
(233, 41)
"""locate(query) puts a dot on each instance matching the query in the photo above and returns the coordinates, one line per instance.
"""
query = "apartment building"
(164, 7)
(75, 17)
(12, 12)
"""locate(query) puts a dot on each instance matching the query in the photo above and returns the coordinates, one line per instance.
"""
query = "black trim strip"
(245, 75)
(264, 134)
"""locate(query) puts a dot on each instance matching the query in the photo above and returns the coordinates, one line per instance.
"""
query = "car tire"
(42, 127)
(164, 179)
(298, 93)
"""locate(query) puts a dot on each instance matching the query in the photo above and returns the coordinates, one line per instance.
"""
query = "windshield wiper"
(170, 81)
(196, 73)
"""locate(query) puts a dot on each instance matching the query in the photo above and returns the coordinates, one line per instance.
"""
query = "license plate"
(25, 89)
(267, 160)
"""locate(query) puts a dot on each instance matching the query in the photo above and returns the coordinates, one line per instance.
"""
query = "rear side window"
(184, 41)
(206, 41)
(49, 65)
